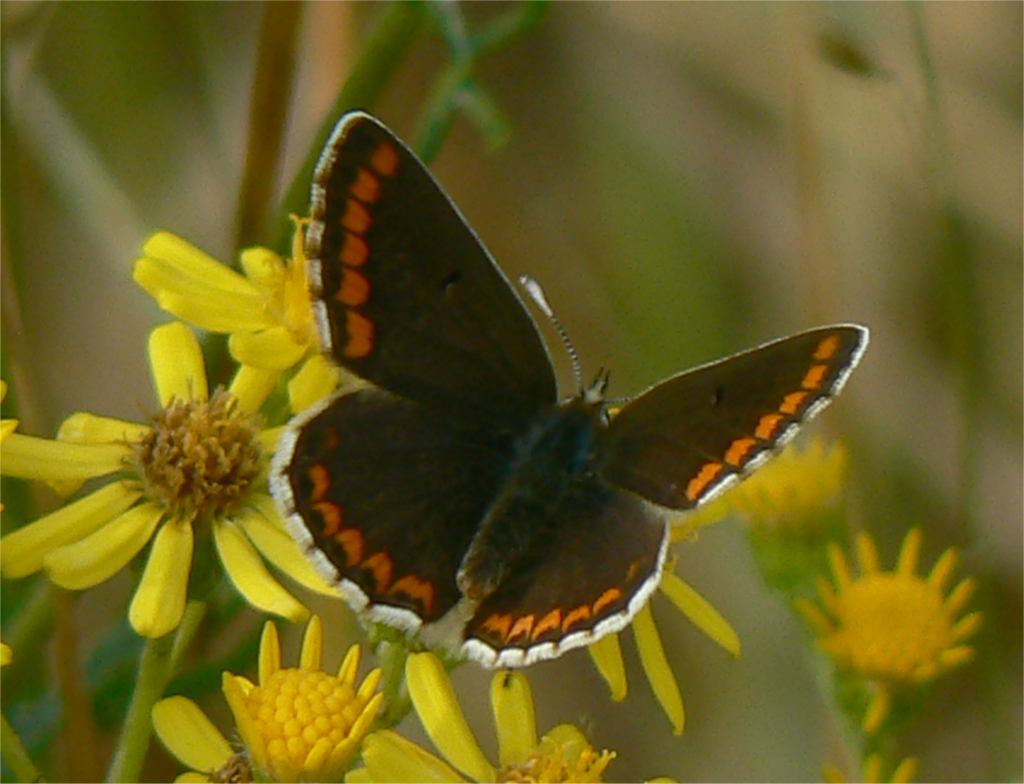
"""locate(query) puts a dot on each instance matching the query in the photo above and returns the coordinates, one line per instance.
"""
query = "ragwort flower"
(266, 312)
(302, 724)
(203, 461)
(563, 754)
(298, 724)
(892, 628)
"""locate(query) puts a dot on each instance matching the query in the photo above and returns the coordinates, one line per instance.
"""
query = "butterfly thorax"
(557, 453)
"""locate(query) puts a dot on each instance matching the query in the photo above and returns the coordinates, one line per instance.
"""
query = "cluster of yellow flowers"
(199, 469)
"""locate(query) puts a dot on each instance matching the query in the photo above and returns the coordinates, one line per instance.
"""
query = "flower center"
(559, 762)
(200, 456)
(297, 710)
(890, 625)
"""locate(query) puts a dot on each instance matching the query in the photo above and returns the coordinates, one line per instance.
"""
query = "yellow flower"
(266, 311)
(607, 654)
(892, 628)
(5, 654)
(872, 772)
(563, 754)
(204, 460)
(302, 724)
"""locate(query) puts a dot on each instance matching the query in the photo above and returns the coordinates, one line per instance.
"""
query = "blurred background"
(686, 181)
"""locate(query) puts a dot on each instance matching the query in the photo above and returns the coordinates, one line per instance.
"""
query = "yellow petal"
(268, 438)
(866, 553)
(878, 709)
(159, 601)
(195, 301)
(349, 668)
(435, 702)
(176, 362)
(909, 552)
(189, 735)
(252, 386)
(105, 552)
(390, 757)
(263, 267)
(85, 428)
(270, 652)
(905, 772)
(312, 646)
(512, 703)
(316, 379)
(659, 674)
(943, 568)
(248, 574)
(192, 778)
(272, 348)
(700, 612)
(840, 570)
(235, 690)
(265, 530)
(607, 657)
(181, 255)
(22, 551)
(28, 457)
(6, 654)
(7, 426)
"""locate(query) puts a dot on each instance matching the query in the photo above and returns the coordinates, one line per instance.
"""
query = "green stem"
(15, 755)
(156, 666)
(392, 656)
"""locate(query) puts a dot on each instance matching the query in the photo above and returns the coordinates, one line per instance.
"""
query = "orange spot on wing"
(360, 335)
(767, 425)
(355, 288)
(417, 589)
(331, 513)
(351, 542)
(738, 450)
(499, 624)
(379, 565)
(521, 627)
(356, 217)
(321, 481)
(791, 403)
(814, 377)
(366, 188)
(355, 250)
(608, 597)
(827, 348)
(707, 474)
(385, 160)
(580, 614)
(550, 622)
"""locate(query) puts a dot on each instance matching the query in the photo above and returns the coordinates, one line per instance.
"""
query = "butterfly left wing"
(688, 438)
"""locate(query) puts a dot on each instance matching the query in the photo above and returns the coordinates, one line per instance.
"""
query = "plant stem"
(156, 666)
(15, 754)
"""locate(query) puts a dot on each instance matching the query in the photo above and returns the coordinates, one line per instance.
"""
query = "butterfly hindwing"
(598, 558)
(386, 499)
(689, 437)
(405, 294)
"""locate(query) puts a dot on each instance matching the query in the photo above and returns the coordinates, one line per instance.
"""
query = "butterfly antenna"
(536, 293)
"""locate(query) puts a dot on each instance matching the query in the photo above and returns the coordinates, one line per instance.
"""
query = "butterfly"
(453, 494)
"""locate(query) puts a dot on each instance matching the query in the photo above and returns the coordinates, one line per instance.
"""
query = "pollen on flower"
(296, 710)
(555, 761)
(200, 456)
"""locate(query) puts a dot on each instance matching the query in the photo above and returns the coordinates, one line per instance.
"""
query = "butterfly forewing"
(688, 437)
(406, 295)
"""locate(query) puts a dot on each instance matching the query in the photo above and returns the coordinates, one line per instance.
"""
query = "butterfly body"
(453, 495)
